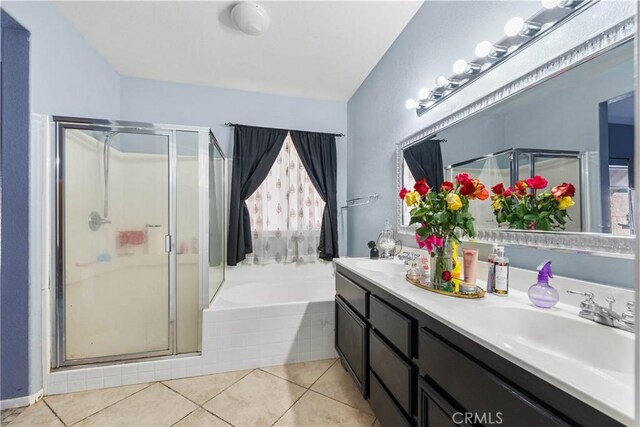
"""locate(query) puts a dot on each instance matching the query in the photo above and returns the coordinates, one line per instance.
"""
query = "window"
(286, 213)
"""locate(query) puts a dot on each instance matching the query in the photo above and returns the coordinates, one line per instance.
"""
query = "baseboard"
(21, 401)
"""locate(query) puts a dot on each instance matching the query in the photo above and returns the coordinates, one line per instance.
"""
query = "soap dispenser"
(542, 294)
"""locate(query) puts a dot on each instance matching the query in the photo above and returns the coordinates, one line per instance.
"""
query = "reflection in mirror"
(576, 127)
(422, 161)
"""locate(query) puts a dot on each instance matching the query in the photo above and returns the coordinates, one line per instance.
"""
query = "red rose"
(521, 186)
(403, 193)
(563, 190)
(467, 188)
(537, 182)
(462, 178)
(507, 192)
(498, 188)
(421, 187)
(446, 275)
(446, 186)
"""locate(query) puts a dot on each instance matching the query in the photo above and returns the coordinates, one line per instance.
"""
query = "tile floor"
(319, 393)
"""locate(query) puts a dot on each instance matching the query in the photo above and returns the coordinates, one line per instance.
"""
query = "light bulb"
(424, 93)
(514, 26)
(483, 49)
(550, 4)
(411, 104)
(460, 66)
(442, 81)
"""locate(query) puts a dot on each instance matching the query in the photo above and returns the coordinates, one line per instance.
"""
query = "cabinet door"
(352, 343)
(435, 411)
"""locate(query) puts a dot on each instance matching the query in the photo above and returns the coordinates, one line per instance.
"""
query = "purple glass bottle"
(542, 294)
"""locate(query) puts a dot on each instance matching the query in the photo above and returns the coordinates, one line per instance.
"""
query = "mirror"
(575, 127)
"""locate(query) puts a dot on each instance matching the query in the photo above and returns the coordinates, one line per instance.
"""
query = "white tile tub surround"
(237, 333)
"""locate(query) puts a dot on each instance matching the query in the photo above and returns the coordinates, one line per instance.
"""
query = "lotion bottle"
(501, 265)
(542, 294)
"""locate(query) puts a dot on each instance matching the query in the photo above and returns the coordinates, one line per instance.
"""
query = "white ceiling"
(315, 49)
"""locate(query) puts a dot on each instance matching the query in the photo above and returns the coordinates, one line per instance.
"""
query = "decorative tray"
(478, 294)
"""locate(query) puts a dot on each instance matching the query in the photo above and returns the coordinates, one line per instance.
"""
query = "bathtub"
(272, 315)
(251, 285)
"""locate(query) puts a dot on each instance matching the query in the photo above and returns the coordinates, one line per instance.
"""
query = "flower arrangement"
(441, 214)
(523, 207)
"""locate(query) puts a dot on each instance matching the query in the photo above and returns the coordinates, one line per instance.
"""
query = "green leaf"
(422, 232)
(531, 217)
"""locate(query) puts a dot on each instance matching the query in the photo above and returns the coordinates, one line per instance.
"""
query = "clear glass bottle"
(492, 271)
(501, 266)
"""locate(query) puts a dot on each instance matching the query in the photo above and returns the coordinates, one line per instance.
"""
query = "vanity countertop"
(546, 342)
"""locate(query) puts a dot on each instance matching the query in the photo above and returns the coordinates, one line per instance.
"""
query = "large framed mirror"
(570, 121)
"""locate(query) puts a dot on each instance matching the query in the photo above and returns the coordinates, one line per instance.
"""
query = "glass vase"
(441, 266)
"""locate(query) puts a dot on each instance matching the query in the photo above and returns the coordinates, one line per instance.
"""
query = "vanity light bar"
(518, 34)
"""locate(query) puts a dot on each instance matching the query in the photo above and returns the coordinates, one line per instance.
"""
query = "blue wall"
(184, 104)
(14, 269)
(377, 118)
(68, 77)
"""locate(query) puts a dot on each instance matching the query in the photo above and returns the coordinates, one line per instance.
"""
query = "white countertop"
(607, 385)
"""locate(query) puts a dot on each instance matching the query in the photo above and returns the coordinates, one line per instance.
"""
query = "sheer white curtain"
(286, 213)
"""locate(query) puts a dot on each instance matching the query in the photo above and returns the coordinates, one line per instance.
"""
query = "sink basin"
(390, 267)
(563, 339)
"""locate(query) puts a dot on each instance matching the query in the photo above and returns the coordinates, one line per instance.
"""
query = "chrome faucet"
(590, 310)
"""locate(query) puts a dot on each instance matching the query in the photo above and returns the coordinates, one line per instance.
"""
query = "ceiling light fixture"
(519, 33)
(250, 18)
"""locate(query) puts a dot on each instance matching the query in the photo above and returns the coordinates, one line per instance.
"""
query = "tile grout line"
(308, 389)
(292, 382)
(199, 406)
(54, 412)
(226, 388)
(114, 403)
(186, 415)
(332, 398)
(346, 404)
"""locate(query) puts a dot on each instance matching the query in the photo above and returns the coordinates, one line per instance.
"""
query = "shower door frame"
(58, 126)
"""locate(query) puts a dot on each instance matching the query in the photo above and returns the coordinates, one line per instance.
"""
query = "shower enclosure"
(133, 255)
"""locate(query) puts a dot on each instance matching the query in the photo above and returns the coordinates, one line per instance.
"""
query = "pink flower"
(432, 241)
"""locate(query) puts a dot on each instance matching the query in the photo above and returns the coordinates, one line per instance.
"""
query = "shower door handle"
(167, 243)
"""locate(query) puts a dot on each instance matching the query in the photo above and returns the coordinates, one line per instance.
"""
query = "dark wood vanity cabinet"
(351, 340)
(417, 371)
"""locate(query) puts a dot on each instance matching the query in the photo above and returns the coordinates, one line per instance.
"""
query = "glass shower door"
(114, 190)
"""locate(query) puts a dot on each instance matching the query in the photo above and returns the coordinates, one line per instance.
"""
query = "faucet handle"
(610, 300)
(629, 316)
(588, 306)
(588, 295)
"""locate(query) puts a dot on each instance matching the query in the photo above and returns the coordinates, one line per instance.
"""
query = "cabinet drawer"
(477, 389)
(354, 295)
(434, 410)
(352, 336)
(386, 410)
(392, 324)
(394, 372)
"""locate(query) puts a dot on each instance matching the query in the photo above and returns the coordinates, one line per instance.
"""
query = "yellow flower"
(453, 202)
(496, 205)
(565, 203)
(412, 198)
